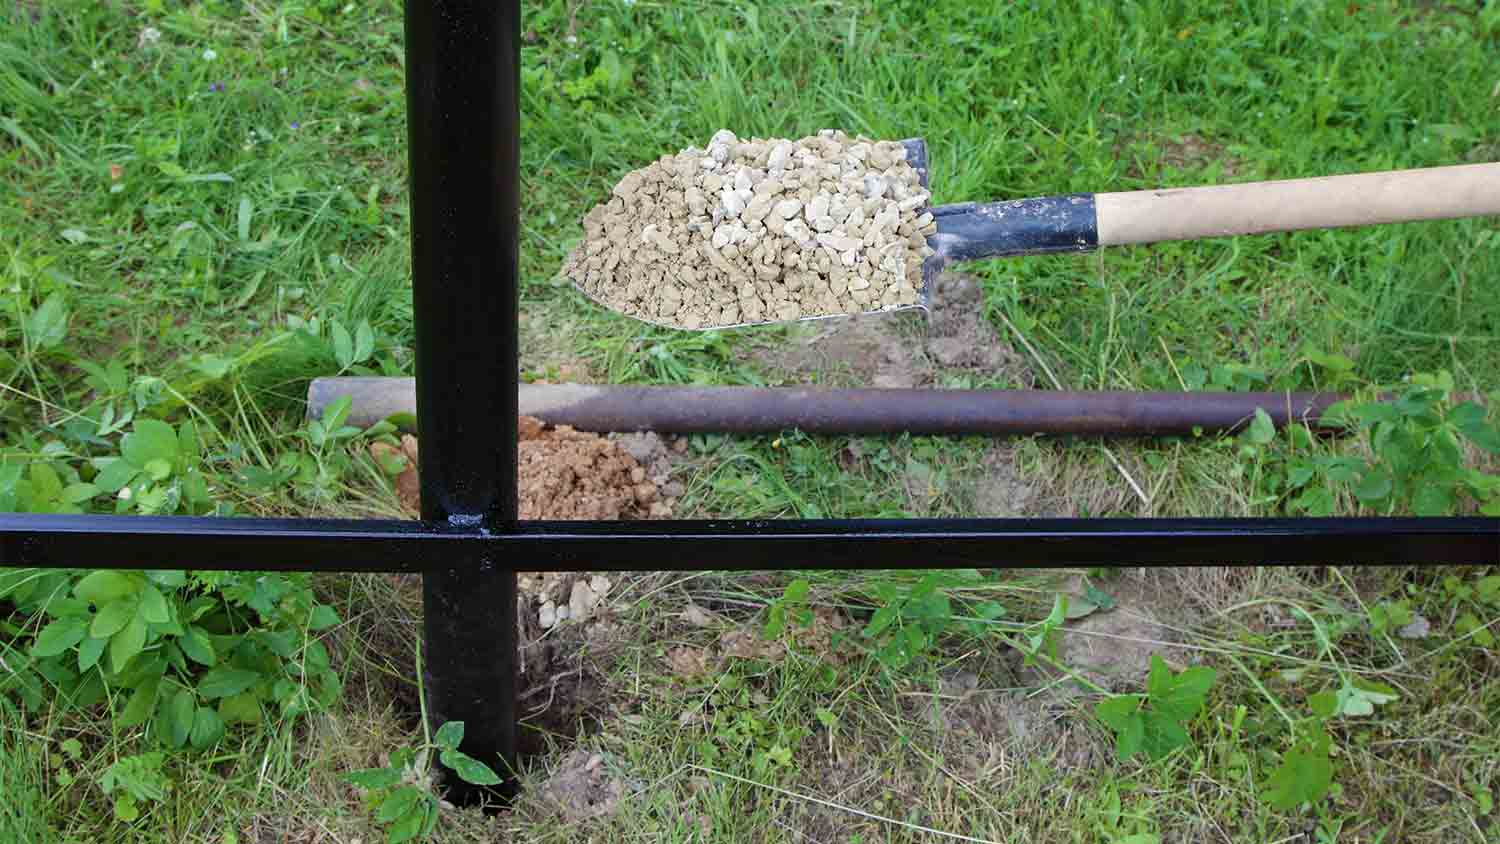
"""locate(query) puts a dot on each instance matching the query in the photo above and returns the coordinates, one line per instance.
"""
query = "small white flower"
(148, 37)
(209, 55)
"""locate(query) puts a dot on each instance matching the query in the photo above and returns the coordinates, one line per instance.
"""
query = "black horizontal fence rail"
(342, 545)
(463, 81)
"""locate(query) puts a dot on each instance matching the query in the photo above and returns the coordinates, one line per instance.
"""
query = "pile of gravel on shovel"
(759, 230)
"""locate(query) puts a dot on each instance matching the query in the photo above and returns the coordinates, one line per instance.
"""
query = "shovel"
(1083, 222)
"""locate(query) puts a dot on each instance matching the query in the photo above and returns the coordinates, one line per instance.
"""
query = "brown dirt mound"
(564, 474)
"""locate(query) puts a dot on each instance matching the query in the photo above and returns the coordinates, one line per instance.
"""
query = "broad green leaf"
(148, 440)
(1375, 485)
(243, 708)
(58, 636)
(1488, 588)
(126, 644)
(372, 778)
(1059, 612)
(1330, 360)
(323, 617)
(89, 653)
(225, 682)
(1132, 738)
(214, 366)
(207, 728)
(154, 606)
(1159, 680)
(468, 768)
(1469, 625)
(450, 735)
(1098, 597)
(1303, 776)
(174, 655)
(1466, 416)
(882, 619)
(198, 646)
(45, 484)
(47, 325)
(1080, 607)
(158, 469)
(916, 640)
(1433, 499)
(398, 803)
(1115, 711)
(1341, 470)
(775, 620)
(337, 412)
(1324, 704)
(113, 617)
(796, 591)
(364, 341)
(1298, 476)
(141, 702)
(1184, 695)
(179, 712)
(1373, 412)
(343, 345)
(989, 610)
(189, 444)
(115, 475)
(1262, 430)
(1315, 502)
(58, 607)
(409, 825)
(1359, 697)
(1162, 735)
(79, 493)
(1123, 715)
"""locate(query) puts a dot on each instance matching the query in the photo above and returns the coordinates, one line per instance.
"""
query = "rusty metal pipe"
(758, 410)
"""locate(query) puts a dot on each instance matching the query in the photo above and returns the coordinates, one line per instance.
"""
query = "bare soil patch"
(901, 350)
(1181, 152)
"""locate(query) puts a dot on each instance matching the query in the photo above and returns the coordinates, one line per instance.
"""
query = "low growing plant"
(1416, 463)
(402, 795)
(181, 654)
(1155, 721)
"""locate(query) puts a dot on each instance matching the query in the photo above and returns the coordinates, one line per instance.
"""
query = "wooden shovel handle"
(1399, 196)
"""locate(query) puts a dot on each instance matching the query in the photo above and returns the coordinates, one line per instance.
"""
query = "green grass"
(201, 208)
(23, 817)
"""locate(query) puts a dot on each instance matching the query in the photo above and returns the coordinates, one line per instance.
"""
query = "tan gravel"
(759, 230)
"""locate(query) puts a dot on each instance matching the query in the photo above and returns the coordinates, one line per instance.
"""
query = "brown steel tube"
(747, 410)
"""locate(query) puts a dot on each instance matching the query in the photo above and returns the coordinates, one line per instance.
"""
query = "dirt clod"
(583, 787)
(759, 230)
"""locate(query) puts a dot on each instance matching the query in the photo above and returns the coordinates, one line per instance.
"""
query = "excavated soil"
(565, 474)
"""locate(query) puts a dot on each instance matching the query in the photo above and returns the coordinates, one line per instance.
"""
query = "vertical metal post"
(463, 129)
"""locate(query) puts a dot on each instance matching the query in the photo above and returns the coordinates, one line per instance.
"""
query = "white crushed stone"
(759, 230)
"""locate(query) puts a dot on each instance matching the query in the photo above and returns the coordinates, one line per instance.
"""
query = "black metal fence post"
(463, 125)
